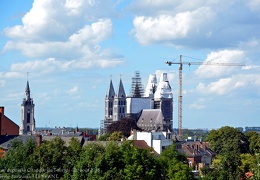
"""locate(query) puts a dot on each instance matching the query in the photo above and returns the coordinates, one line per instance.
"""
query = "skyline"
(72, 48)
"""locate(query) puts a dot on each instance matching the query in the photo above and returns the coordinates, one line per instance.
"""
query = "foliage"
(125, 125)
(254, 140)
(19, 158)
(116, 136)
(175, 164)
(104, 137)
(228, 139)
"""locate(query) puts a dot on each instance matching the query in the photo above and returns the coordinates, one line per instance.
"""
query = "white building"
(156, 140)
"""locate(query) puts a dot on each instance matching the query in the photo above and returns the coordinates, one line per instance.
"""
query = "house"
(6, 142)
(198, 153)
(156, 140)
(7, 126)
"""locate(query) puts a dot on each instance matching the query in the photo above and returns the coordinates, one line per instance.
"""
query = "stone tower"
(119, 103)
(27, 118)
(163, 99)
(109, 105)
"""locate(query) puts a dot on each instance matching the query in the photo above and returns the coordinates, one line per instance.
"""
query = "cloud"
(228, 85)
(51, 65)
(199, 104)
(202, 24)
(70, 31)
(168, 28)
(221, 57)
(2, 82)
(73, 90)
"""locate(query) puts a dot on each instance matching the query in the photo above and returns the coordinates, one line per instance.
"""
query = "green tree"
(139, 163)
(73, 155)
(254, 141)
(104, 137)
(175, 165)
(85, 167)
(125, 125)
(19, 159)
(228, 139)
(52, 158)
(116, 136)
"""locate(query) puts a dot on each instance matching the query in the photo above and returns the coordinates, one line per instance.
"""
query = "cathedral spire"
(121, 90)
(27, 91)
(110, 91)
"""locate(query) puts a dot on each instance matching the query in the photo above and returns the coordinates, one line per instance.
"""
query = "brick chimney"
(39, 140)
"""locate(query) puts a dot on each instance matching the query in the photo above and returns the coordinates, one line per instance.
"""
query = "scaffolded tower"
(137, 90)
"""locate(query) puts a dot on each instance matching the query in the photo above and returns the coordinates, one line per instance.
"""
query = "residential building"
(7, 126)
(156, 140)
(198, 153)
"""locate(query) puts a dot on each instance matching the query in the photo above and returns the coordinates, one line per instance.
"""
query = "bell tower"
(27, 113)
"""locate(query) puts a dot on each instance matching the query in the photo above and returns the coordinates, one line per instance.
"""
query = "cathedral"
(152, 109)
(27, 117)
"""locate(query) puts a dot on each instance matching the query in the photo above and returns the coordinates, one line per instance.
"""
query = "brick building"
(7, 126)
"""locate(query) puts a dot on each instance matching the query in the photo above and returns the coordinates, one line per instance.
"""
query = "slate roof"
(23, 138)
(110, 92)
(151, 119)
(195, 149)
(121, 91)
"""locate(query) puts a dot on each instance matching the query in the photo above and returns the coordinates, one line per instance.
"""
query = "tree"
(116, 136)
(73, 155)
(19, 158)
(52, 158)
(254, 142)
(139, 163)
(104, 137)
(125, 125)
(85, 167)
(228, 139)
(175, 165)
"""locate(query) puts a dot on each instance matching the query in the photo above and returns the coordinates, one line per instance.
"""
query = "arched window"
(28, 116)
(28, 128)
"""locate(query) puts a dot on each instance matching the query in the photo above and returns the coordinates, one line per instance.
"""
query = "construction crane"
(180, 84)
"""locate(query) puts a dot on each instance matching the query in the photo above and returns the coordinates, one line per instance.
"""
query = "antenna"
(27, 73)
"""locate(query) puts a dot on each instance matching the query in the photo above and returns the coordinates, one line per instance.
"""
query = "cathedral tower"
(119, 103)
(163, 99)
(27, 118)
(109, 106)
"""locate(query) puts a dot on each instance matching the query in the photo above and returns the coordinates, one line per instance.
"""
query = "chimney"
(204, 145)
(38, 140)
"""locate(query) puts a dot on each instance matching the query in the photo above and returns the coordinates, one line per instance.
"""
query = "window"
(28, 116)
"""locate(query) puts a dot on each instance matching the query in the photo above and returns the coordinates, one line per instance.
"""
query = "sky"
(70, 49)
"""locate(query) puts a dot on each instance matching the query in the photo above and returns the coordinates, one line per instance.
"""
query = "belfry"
(27, 117)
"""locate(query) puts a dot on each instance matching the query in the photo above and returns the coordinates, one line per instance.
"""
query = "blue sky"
(72, 48)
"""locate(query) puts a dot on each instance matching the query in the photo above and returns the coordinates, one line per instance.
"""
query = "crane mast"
(180, 84)
(180, 100)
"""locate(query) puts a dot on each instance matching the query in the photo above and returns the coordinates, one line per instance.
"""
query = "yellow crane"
(180, 84)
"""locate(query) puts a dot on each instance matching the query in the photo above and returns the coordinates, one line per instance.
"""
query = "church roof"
(110, 91)
(121, 90)
(150, 119)
(27, 89)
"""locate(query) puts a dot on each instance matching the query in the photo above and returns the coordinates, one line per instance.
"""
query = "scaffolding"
(137, 90)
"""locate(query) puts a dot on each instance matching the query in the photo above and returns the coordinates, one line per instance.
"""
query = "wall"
(7, 126)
